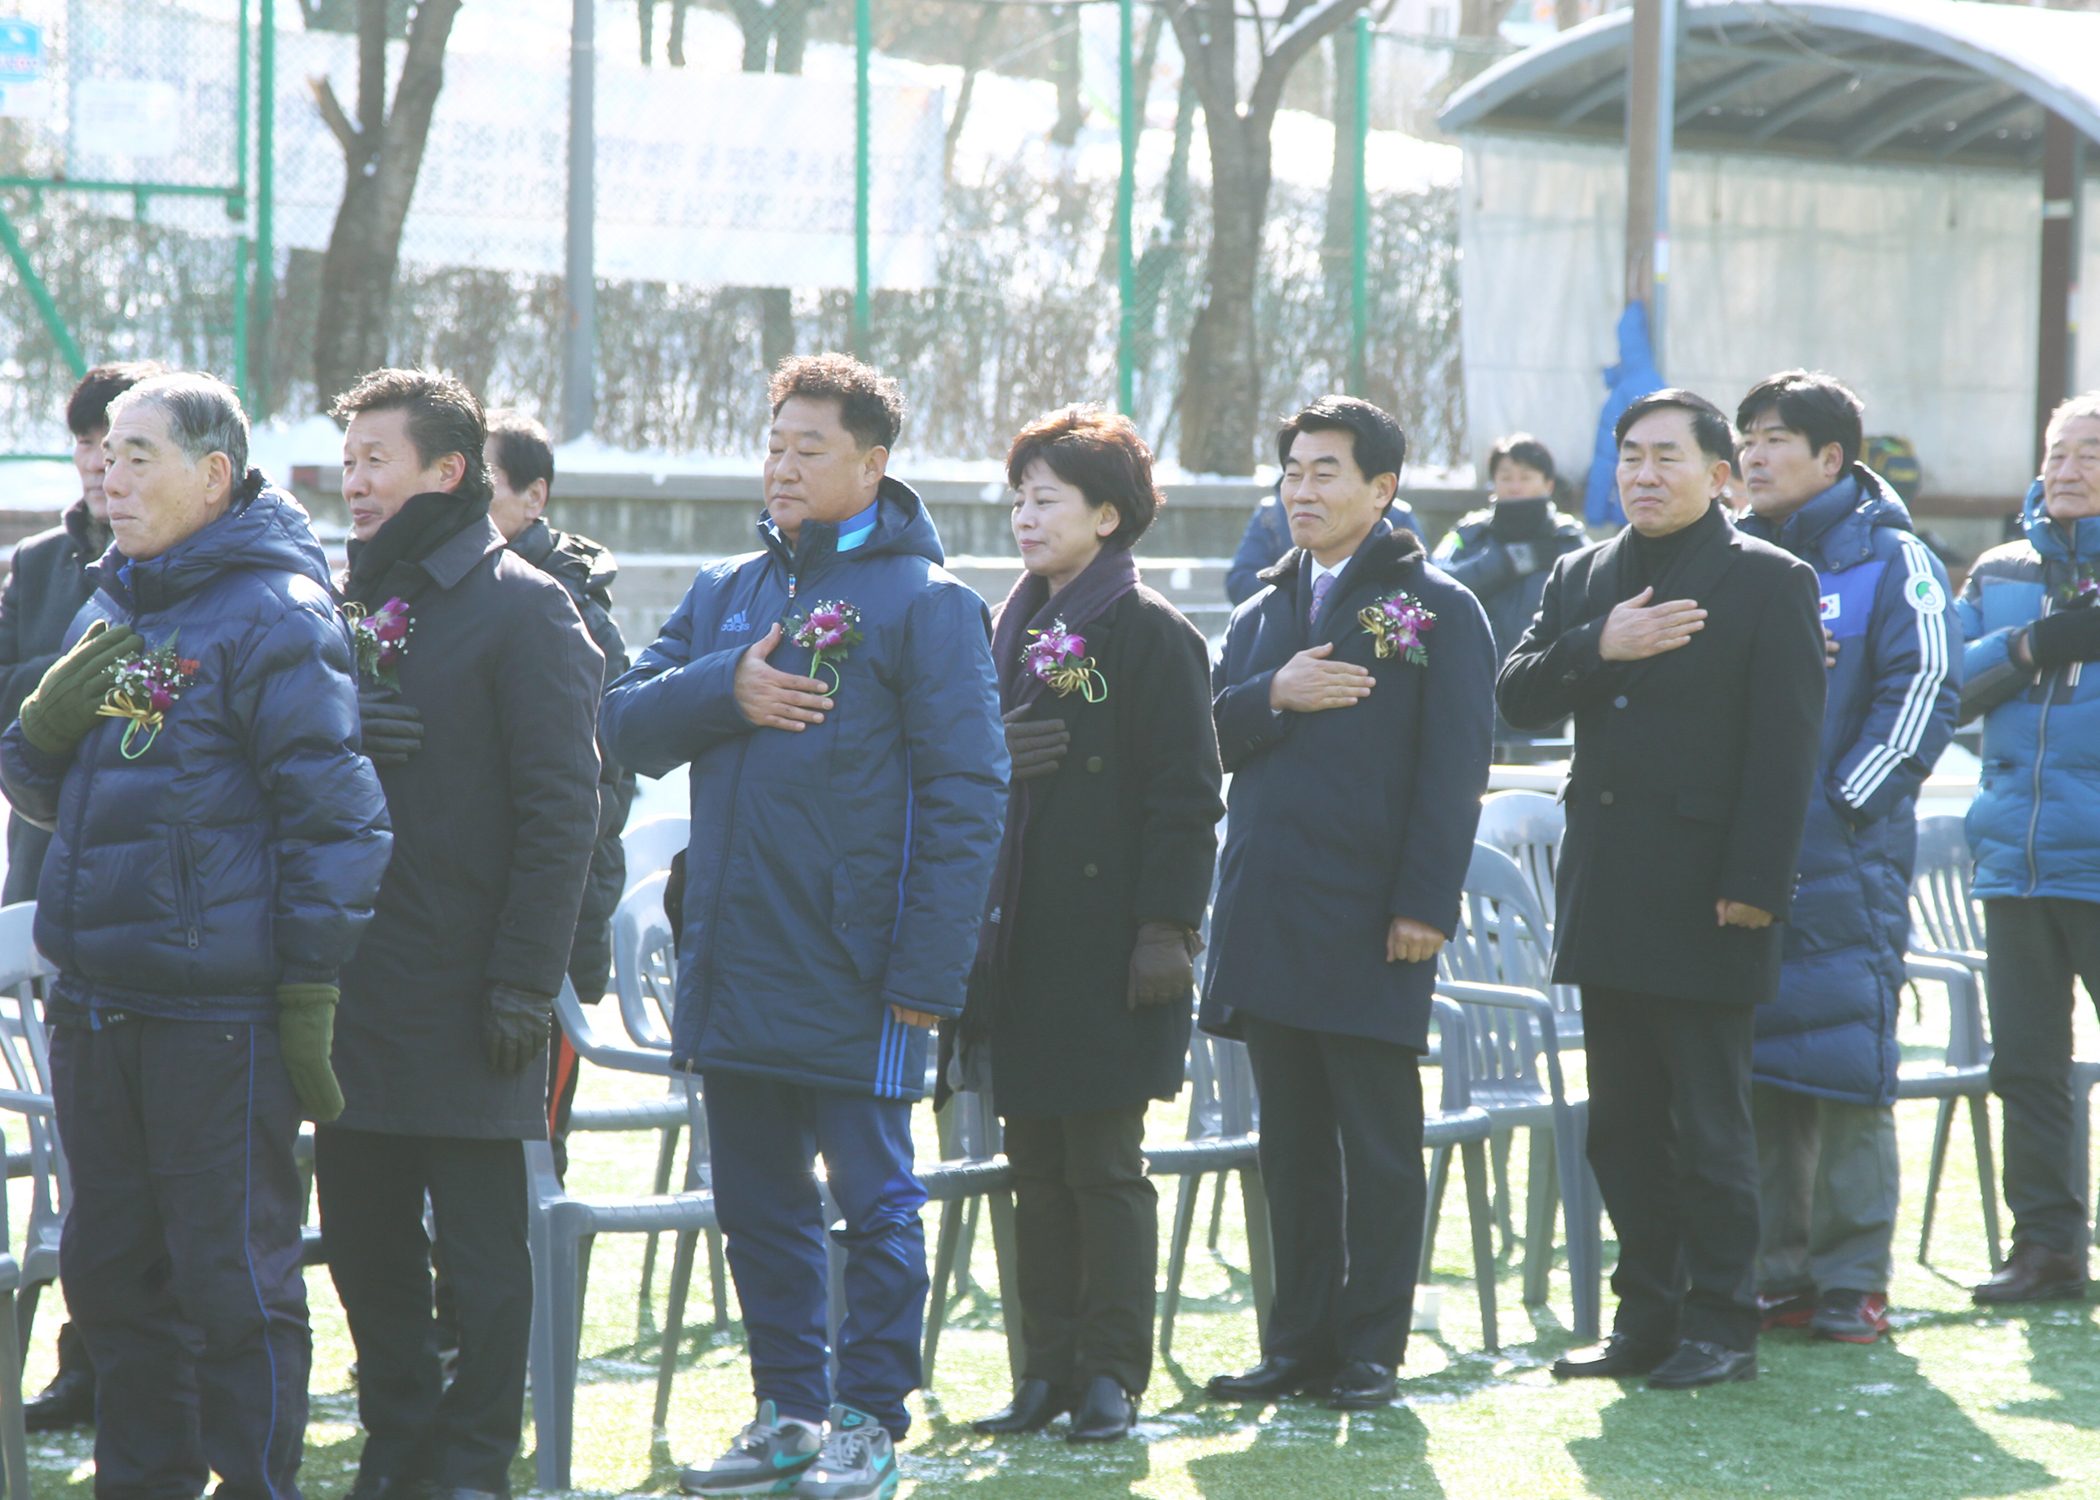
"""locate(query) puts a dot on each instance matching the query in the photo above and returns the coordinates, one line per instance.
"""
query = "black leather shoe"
(1275, 1376)
(1036, 1404)
(68, 1401)
(1104, 1416)
(1618, 1356)
(1364, 1385)
(2032, 1273)
(1697, 1363)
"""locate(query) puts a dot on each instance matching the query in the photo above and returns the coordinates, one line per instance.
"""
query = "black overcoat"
(1123, 832)
(47, 583)
(1692, 770)
(494, 820)
(1342, 820)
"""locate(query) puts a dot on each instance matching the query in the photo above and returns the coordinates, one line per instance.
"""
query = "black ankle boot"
(1104, 1416)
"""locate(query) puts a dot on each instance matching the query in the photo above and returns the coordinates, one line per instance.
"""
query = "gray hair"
(2085, 405)
(203, 414)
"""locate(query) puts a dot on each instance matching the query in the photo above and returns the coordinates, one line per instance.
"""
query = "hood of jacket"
(263, 528)
(902, 528)
(1836, 529)
(583, 566)
(2058, 541)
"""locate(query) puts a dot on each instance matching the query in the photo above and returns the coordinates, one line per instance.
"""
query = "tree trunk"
(1220, 402)
(1067, 68)
(382, 156)
(1221, 393)
(1340, 231)
(973, 54)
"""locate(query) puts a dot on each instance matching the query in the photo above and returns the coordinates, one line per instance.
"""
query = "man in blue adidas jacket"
(847, 808)
(2028, 610)
(1823, 1070)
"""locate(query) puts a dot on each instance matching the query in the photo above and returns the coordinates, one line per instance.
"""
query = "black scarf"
(409, 535)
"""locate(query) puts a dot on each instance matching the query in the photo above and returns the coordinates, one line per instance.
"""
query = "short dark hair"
(443, 417)
(1522, 448)
(1820, 407)
(524, 452)
(1710, 428)
(1098, 451)
(870, 405)
(87, 409)
(1376, 441)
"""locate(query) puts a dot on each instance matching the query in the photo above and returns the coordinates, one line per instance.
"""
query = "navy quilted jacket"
(840, 870)
(243, 849)
(1889, 714)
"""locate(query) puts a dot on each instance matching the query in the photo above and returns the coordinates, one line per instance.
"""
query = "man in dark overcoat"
(48, 579)
(1355, 709)
(521, 474)
(442, 1043)
(1691, 657)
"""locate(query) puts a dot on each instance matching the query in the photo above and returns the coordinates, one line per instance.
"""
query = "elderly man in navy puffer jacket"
(217, 844)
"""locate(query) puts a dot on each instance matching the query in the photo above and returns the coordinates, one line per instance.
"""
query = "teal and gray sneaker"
(767, 1458)
(858, 1461)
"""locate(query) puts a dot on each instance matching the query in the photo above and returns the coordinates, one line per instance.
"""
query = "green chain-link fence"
(726, 216)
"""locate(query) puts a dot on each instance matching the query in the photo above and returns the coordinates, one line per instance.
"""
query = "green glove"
(58, 715)
(305, 1033)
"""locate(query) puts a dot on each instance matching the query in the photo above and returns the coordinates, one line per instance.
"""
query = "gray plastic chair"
(1964, 1074)
(1223, 1133)
(649, 846)
(1528, 827)
(14, 1439)
(1512, 1029)
(25, 1054)
(1459, 1122)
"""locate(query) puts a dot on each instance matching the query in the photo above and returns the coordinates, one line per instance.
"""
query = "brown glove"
(1034, 745)
(1163, 967)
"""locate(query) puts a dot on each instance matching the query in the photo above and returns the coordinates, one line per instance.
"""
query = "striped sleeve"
(1916, 638)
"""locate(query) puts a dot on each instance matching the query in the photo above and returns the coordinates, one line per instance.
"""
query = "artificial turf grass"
(1957, 1403)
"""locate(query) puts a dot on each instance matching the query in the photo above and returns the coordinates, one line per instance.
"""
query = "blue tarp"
(1633, 377)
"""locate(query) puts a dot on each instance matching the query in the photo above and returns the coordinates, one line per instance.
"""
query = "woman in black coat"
(1085, 970)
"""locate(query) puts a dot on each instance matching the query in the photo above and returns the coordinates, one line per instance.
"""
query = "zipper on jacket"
(185, 883)
(2034, 812)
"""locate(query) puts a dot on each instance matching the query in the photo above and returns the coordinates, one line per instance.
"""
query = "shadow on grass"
(1309, 1453)
(2060, 1343)
(1838, 1422)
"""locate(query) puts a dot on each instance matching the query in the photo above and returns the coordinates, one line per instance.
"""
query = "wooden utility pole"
(2056, 341)
(1651, 119)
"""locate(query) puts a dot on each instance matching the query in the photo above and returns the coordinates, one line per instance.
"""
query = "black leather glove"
(515, 1027)
(1163, 966)
(2068, 635)
(392, 731)
(1036, 746)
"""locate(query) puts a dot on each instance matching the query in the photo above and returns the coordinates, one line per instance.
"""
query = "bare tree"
(1066, 68)
(1221, 387)
(382, 153)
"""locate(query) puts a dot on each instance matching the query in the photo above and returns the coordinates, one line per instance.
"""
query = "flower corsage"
(1397, 623)
(827, 631)
(1059, 659)
(143, 689)
(2083, 591)
(381, 639)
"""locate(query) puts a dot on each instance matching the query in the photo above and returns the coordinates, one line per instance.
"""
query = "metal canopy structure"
(1917, 82)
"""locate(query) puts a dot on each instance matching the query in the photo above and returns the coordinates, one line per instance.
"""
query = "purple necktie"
(1321, 585)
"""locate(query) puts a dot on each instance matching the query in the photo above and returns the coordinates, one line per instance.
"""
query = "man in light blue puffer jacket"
(2028, 613)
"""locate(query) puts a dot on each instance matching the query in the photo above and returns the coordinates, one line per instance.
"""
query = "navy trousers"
(181, 1255)
(765, 1137)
